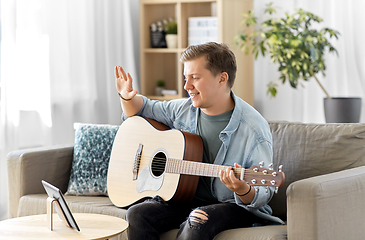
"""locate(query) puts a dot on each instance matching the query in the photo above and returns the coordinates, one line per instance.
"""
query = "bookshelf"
(163, 63)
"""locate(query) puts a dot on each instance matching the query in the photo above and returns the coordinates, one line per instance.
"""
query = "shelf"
(164, 63)
(164, 50)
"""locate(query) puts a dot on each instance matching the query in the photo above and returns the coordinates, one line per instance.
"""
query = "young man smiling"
(233, 134)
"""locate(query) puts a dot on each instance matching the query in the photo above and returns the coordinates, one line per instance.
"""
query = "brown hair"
(219, 58)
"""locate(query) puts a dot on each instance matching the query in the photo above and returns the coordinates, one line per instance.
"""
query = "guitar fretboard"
(197, 168)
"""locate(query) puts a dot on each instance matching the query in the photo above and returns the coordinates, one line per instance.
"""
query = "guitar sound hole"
(158, 164)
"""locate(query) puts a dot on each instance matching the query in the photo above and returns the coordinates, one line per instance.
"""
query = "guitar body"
(138, 158)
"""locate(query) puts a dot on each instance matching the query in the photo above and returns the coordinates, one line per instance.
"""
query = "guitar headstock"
(260, 176)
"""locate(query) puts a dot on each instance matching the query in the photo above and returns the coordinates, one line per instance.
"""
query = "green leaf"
(283, 78)
(270, 9)
(263, 50)
(305, 66)
(271, 89)
(295, 42)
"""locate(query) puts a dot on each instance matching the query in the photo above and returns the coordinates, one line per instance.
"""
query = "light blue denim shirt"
(246, 140)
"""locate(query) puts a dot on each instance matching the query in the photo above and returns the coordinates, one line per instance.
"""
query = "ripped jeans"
(147, 220)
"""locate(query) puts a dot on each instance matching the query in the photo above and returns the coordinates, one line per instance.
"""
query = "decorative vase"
(171, 40)
(342, 110)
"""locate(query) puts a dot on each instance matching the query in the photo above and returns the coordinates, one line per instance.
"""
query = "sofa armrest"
(329, 206)
(27, 167)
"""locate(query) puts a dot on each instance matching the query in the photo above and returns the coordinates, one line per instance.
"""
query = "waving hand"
(124, 83)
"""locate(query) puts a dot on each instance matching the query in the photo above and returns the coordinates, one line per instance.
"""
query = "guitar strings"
(159, 163)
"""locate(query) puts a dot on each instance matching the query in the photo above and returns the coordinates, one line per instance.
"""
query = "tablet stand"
(50, 202)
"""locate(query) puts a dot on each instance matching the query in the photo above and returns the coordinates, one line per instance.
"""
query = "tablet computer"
(55, 193)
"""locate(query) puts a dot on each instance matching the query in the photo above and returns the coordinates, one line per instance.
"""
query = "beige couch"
(323, 196)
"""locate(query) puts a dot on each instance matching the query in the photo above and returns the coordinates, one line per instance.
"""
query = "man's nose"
(187, 85)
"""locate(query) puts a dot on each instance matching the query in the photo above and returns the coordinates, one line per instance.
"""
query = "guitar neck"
(255, 176)
(197, 168)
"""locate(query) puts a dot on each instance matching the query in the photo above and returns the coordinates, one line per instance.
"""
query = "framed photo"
(55, 193)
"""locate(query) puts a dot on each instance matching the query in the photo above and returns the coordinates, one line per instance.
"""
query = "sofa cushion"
(308, 150)
(37, 204)
(93, 146)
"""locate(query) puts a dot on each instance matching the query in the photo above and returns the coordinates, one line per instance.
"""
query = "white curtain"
(57, 68)
(345, 74)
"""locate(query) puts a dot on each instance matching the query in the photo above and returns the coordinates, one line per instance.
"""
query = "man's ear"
(223, 78)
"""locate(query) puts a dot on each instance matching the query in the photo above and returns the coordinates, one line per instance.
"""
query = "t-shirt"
(209, 128)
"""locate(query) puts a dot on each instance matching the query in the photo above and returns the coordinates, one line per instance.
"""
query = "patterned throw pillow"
(93, 146)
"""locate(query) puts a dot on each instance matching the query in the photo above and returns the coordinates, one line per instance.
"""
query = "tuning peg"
(274, 174)
(263, 181)
(272, 182)
(276, 189)
(261, 164)
(257, 190)
(253, 181)
(280, 168)
(267, 189)
(271, 166)
(264, 172)
(255, 169)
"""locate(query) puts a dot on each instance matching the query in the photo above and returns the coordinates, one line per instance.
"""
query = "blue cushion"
(93, 146)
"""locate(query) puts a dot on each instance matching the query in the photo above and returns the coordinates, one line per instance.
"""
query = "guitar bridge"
(137, 161)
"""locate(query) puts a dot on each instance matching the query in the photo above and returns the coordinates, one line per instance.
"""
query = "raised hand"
(123, 83)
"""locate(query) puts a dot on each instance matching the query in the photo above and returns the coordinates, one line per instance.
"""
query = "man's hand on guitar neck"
(130, 101)
(244, 191)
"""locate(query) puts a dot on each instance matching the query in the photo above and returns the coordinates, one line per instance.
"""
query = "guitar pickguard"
(147, 182)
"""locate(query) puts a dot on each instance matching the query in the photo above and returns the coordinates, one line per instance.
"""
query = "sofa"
(322, 197)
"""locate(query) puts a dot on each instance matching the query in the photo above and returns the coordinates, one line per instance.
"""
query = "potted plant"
(171, 34)
(160, 86)
(298, 49)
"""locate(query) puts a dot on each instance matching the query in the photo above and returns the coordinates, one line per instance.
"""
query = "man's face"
(202, 86)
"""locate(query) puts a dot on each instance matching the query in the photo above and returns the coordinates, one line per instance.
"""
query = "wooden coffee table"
(92, 226)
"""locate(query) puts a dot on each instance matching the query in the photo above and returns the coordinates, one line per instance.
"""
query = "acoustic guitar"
(149, 159)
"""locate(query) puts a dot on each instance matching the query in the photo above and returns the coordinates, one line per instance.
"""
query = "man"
(233, 134)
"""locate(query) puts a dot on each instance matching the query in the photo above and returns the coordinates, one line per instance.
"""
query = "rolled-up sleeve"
(165, 112)
(262, 152)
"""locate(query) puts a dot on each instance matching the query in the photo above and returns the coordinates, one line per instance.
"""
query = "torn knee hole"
(198, 217)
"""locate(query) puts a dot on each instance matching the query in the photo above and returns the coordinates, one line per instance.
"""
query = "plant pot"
(158, 91)
(171, 40)
(342, 110)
